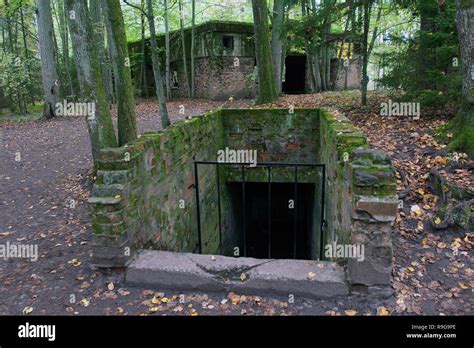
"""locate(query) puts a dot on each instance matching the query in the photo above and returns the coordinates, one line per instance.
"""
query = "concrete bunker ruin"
(145, 198)
(225, 63)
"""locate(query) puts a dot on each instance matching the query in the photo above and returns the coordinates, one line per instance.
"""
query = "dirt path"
(43, 190)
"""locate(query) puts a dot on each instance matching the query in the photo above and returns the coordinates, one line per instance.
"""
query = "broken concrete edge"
(185, 271)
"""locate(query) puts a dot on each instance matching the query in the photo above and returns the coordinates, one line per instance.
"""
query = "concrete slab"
(185, 271)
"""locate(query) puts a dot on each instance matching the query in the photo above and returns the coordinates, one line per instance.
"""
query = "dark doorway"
(295, 74)
(280, 242)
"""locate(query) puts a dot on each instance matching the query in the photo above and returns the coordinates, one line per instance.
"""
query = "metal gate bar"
(269, 212)
(269, 165)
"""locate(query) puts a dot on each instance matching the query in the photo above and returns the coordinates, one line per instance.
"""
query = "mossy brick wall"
(136, 198)
(278, 136)
(139, 187)
(361, 201)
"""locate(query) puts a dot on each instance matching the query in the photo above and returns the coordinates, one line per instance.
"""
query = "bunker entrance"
(280, 228)
(270, 211)
(295, 74)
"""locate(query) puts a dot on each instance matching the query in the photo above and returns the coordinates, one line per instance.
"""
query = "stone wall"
(144, 195)
(278, 136)
(218, 78)
(136, 198)
(354, 75)
(361, 201)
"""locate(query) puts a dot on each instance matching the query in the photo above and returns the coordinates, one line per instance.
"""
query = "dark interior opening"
(295, 74)
(282, 244)
(228, 42)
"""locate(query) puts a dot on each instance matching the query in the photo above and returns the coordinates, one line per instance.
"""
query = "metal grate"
(269, 166)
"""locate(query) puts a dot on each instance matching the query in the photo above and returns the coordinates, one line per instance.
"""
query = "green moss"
(467, 3)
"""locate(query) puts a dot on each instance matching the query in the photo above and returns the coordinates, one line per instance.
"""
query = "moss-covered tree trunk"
(183, 46)
(143, 79)
(126, 118)
(98, 25)
(266, 82)
(464, 122)
(193, 48)
(48, 58)
(64, 35)
(167, 49)
(89, 74)
(159, 89)
(277, 42)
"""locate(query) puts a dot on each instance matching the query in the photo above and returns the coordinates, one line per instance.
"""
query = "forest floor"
(46, 164)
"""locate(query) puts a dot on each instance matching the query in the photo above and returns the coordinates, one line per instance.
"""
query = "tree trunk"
(48, 58)
(89, 74)
(160, 92)
(143, 79)
(183, 44)
(23, 30)
(464, 121)
(126, 118)
(193, 48)
(62, 15)
(112, 74)
(277, 42)
(343, 41)
(428, 10)
(167, 48)
(314, 54)
(365, 51)
(266, 79)
(9, 27)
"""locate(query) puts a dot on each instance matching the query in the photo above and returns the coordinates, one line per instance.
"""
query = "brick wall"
(141, 188)
(218, 78)
(361, 203)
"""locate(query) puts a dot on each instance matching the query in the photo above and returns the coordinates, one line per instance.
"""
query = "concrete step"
(185, 271)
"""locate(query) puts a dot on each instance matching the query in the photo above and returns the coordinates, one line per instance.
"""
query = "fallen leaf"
(85, 302)
(382, 311)
(178, 309)
(27, 310)
(75, 262)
